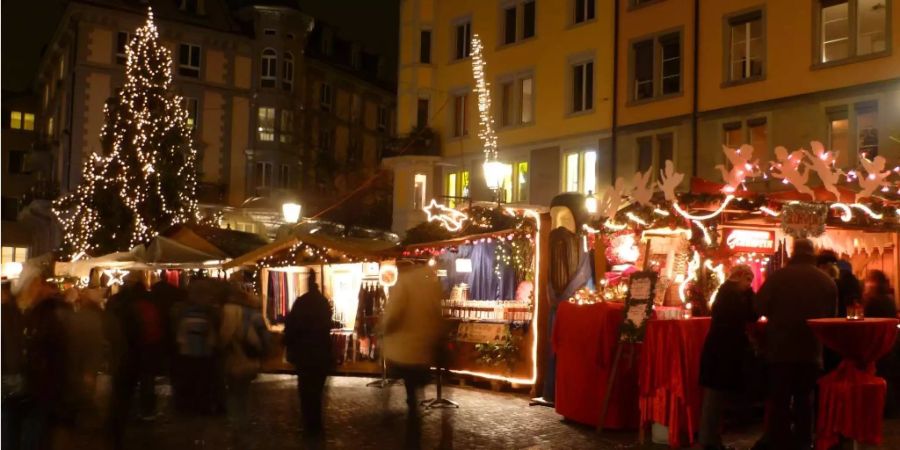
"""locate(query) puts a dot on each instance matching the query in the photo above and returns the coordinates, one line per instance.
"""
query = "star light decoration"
(116, 277)
(449, 218)
(149, 163)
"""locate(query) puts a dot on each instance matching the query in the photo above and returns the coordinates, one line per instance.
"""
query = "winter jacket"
(789, 297)
(307, 332)
(727, 345)
(412, 323)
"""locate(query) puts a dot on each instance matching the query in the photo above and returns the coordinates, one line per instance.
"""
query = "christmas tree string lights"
(146, 177)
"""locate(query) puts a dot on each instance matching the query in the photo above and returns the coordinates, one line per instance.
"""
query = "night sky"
(29, 25)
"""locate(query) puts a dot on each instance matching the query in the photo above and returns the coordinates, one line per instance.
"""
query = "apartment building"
(549, 67)
(693, 75)
(250, 89)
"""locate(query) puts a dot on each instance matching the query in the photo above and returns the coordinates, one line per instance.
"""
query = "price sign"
(638, 306)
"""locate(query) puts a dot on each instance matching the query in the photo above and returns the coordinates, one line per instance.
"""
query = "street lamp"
(590, 203)
(291, 212)
(495, 172)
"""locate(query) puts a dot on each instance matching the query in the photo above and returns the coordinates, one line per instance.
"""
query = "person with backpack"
(194, 363)
(243, 342)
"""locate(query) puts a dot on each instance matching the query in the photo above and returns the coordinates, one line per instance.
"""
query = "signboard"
(744, 240)
(638, 306)
(804, 220)
(480, 333)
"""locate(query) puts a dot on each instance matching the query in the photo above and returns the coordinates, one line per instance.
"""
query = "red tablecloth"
(851, 398)
(584, 339)
(670, 392)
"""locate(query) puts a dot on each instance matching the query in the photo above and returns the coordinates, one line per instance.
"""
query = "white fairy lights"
(149, 163)
(486, 130)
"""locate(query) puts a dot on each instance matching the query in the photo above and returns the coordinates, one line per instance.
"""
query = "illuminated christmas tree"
(146, 177)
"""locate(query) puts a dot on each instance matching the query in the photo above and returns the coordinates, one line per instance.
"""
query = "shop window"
(266, 126)
(267, 68)
(191, 105)
(752, 131)
(584, 11)
(189, 60)
(653, 151)
(326, 97)
(520, 173)
(463, 40)
(122, 38)
(839, 135)
(580, 169)
(583, 86)
(286, 129)
(422, 113)
(459, 115)
(425, 46)
(747, 47)
(13, 254)
(287, 76)
(264, 175)
(850, 28)
(867, 130)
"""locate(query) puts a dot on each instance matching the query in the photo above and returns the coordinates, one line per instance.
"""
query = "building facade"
(669, 80)
(247, 85)
(550, 72)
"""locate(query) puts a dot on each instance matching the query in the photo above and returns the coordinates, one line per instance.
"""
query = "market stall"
(488, 258)
(353, 269)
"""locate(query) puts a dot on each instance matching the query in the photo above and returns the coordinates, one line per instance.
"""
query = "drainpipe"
(615, 91)
(696, 83)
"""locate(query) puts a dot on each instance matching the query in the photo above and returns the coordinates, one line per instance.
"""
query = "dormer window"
(268, 71)
(327, 42)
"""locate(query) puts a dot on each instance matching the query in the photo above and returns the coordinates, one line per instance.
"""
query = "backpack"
(195, 336)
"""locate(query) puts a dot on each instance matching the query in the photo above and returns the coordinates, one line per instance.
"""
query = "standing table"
(851, 397)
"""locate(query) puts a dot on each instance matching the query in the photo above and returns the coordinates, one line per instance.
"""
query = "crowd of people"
(73, 361)
(782, 357)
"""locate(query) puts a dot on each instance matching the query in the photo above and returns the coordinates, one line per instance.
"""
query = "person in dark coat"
(722, 360)
(878, 297)
(307, 338)
(789, 297)
(122, 326)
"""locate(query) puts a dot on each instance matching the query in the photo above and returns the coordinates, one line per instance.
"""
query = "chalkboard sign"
(638, 306)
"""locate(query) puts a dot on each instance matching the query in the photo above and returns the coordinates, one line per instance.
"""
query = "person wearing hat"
(789, 297)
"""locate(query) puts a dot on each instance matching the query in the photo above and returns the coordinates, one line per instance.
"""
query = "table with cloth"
(670, 392)
(851, 397)
(584, 339)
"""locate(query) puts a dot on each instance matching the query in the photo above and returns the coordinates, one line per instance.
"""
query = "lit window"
(28, 121)
(580, 172)
(867, 130)
(583, 86)
(15, 120)
(463, 40)
(419, 191)
(122, 38)
(841, 37)
(266, 127)
(451, 189)
(191, 106)
(521, 181)
(326, 97)
(516, 101)
(747, 46)
(459, 115)
(50, 126)
(13, 254)
(839, 135)
(287, 126)
(268, 69)
(287, 81)
(189, 60)
(584, 11)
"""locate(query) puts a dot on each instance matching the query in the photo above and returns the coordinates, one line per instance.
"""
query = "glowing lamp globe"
(494, 174)
(291, 212)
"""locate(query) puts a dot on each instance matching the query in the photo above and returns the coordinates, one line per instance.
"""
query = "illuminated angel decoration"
(643, 187)
(741, 167)
(612, 199)
(669, 180)
(875, 176)
(822, 162)
(788, 170)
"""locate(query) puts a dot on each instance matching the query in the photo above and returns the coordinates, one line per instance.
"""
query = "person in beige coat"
(413, 327)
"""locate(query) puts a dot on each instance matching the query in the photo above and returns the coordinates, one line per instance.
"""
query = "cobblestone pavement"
(360, 417)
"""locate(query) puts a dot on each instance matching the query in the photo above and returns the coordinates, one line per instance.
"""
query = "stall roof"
(213, 240)
(366, 248)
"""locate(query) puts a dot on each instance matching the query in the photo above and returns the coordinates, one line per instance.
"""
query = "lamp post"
(494, 174)
(291, 212)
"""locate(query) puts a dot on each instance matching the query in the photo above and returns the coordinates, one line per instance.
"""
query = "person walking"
(788, 298)
(194, 363)
(151, 346)
(878, 296)
(13, 356)
(413, 328)
(724, 352)
(243, 341)
(88, 351)
(307, 338)
(122, 327)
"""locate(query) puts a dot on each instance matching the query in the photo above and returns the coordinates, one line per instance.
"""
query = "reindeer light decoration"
(669, 180)
(643, 188)
(612, 199)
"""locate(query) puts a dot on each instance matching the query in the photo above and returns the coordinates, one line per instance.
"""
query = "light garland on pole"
(149, 164)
